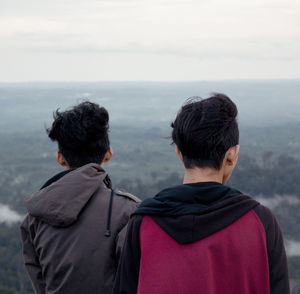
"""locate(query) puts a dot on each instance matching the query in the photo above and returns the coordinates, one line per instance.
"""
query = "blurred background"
(141, 60)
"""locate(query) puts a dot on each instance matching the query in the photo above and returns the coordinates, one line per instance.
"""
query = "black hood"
(56, 178)
(191, 212)
(186, 199)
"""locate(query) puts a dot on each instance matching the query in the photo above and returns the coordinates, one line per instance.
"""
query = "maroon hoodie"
(202, 238)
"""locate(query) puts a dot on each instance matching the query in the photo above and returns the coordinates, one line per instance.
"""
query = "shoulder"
(28, 225)
(28, 220)
(269, 221)
(126, 195)
(265, 214)
(134, 224)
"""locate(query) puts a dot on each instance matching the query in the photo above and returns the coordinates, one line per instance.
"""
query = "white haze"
(9, 216)
(278, 200)
(292, 248)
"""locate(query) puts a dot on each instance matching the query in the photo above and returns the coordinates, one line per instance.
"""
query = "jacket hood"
(186, 199)
(191, 212)
(63, 197)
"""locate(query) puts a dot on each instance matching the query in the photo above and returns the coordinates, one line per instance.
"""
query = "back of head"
(205, 129)
(81, 133)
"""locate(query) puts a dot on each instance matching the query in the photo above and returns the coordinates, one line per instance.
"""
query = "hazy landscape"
(144, 161)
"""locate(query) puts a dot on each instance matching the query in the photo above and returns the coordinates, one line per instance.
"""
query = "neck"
(196, 175)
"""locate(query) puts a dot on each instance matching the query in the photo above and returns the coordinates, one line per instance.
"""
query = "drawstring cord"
(108, 231)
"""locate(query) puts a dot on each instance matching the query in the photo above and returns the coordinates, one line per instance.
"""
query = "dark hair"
(205, 129)
(81, 133)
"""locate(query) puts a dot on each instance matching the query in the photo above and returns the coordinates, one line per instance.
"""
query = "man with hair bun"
(76, 224)
(203, 237)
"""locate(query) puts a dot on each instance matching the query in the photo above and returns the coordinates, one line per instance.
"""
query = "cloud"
(9, 216)
(199, 29)
(292, 248)
(242, 38)
(277, 200)
(285, 49)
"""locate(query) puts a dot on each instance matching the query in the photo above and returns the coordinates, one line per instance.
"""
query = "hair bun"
(227, 109)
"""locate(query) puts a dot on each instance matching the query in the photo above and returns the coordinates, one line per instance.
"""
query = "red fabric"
(233, 260)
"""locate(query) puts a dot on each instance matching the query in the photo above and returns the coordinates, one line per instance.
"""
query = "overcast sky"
(93, 40)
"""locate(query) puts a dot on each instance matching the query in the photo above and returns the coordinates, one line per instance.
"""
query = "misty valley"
(144, 160)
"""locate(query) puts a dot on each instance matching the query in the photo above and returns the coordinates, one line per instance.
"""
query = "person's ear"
(108, 155)
(61, 160)
(232, 155)
(229, 162)
(179, 154)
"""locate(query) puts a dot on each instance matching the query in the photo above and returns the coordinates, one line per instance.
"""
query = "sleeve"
(120, 242)
(120, 239)
(278, 266)
(127, 277)
(31, 260)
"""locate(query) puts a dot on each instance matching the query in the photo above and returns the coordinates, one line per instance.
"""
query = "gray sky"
(93, 40)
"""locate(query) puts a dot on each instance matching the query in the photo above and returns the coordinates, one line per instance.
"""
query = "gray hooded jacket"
(64, 244)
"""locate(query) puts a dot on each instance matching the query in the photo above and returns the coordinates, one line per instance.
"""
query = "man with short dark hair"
(75, 227)
(203, 237)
